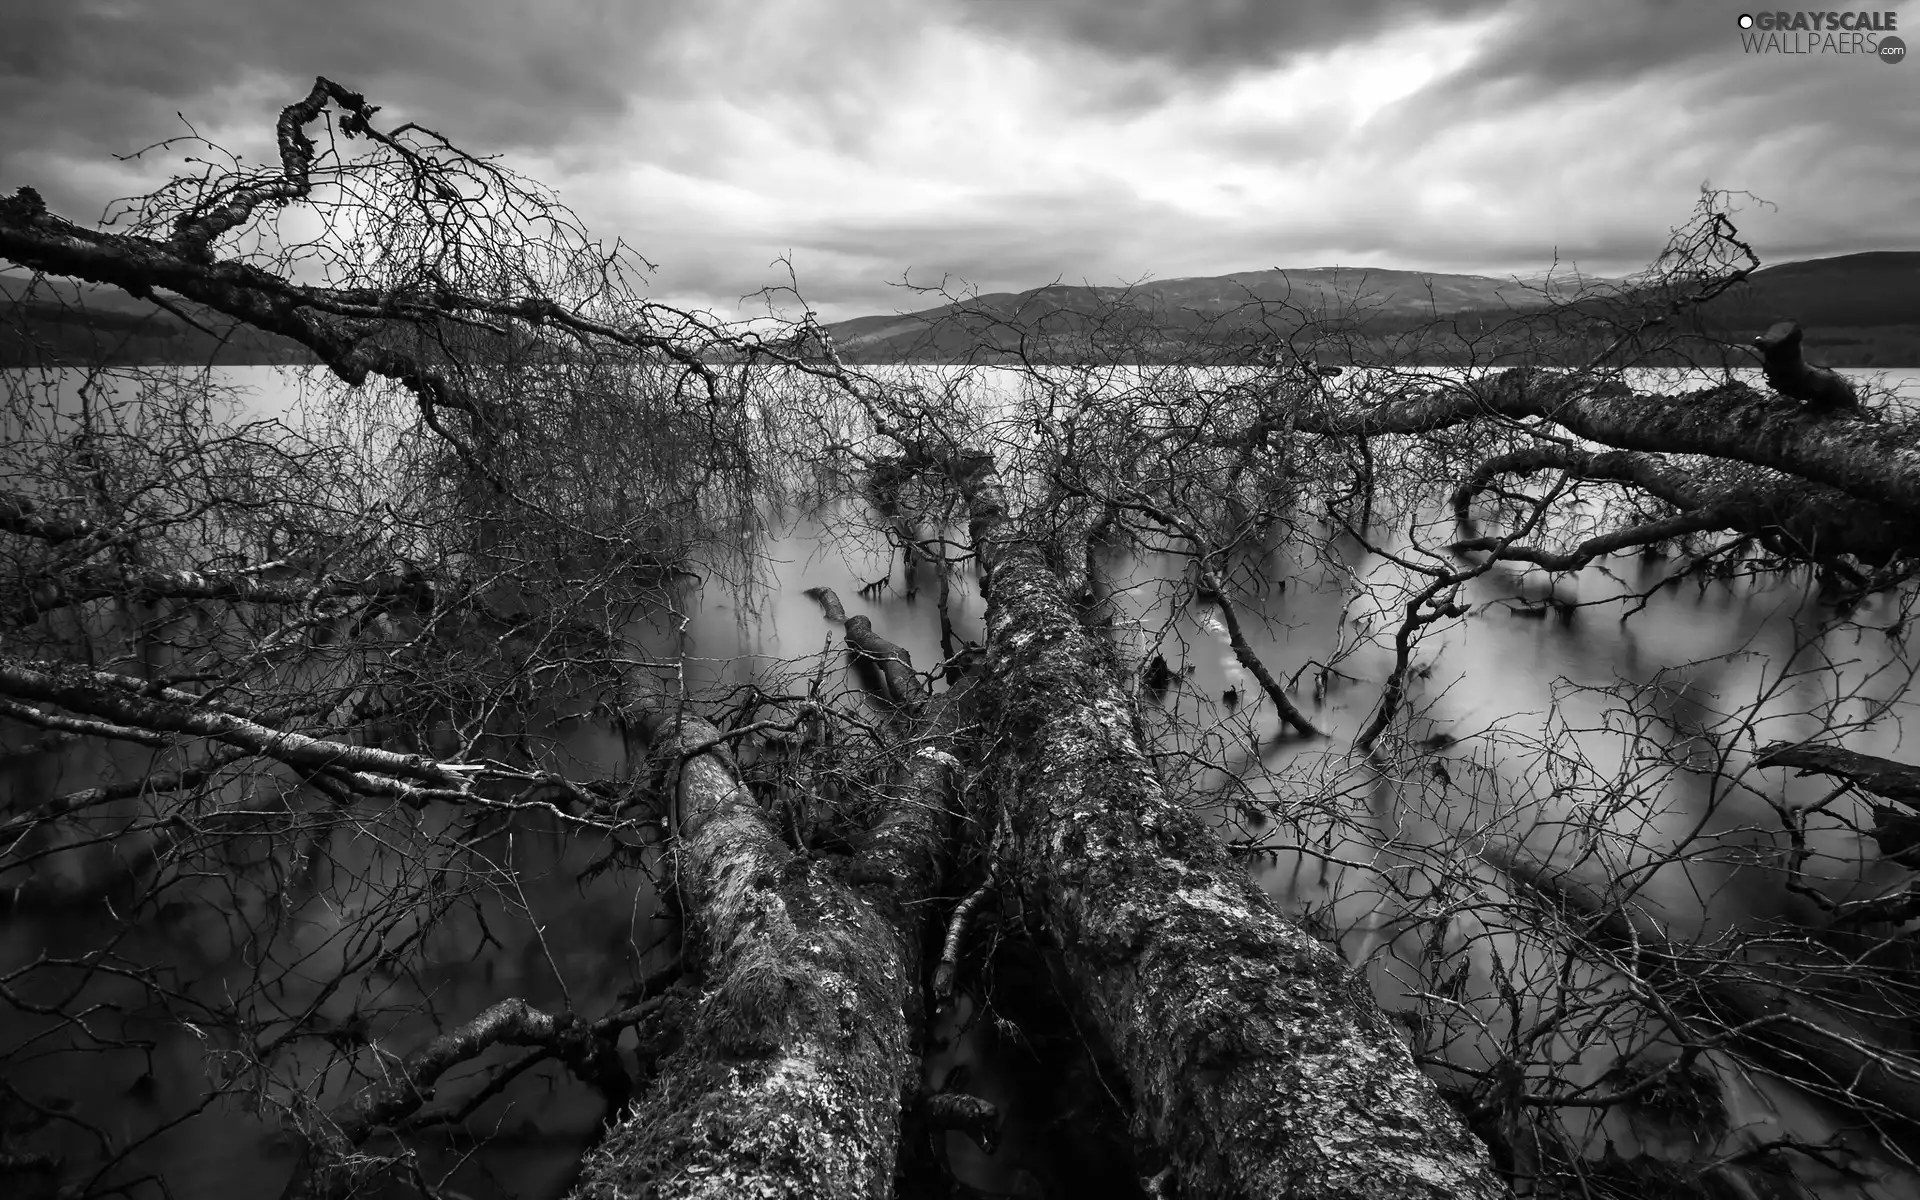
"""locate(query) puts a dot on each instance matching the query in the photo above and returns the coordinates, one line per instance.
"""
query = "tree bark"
(1258, 1064)
(137, 704)
(1819, 520)
(1878, 462)
(794, 1068)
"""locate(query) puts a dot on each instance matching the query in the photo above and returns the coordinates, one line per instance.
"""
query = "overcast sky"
(1007, 143)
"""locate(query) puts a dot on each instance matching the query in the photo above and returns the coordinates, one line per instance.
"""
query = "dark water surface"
(1547, 722)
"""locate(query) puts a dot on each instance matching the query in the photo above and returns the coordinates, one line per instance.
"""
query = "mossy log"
(803, 1046)
(1258, 1064)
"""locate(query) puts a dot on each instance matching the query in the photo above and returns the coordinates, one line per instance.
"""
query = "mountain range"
(1858, 310)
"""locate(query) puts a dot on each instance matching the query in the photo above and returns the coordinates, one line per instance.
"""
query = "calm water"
(1537, 708)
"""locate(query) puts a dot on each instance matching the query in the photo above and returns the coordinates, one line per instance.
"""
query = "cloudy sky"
(1009, 143)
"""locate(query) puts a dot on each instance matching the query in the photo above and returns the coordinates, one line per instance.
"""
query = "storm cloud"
(1002, 144)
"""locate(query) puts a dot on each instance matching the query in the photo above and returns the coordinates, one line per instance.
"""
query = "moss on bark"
(790, 1079)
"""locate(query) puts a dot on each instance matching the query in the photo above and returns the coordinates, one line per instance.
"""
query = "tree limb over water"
(1875, 462)
(277, 635)
(1159, 927)
(1896, 781)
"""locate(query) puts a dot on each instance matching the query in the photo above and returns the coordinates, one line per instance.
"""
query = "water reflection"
(1573, 730)
(1618, 729)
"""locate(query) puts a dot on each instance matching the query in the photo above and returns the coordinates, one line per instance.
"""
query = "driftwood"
(894, 664)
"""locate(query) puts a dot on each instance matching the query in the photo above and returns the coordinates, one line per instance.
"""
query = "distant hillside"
(1243, 306)
(53, 322)
(1859, 309)
(1880, 287)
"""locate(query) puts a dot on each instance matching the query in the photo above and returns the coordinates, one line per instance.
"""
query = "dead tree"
(1239, 1034)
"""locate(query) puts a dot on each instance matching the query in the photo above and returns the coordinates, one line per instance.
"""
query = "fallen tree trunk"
(1258, 1065)
(1874, 462)
(901, 686)
(792, 1072)
(1816, 519)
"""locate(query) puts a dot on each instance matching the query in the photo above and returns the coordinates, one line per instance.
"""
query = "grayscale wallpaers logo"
(1865, 34)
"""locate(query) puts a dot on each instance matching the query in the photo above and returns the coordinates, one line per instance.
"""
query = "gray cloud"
(84, 78)
(1008, 143)
(1005, 242)
(1198, 35)
(1547, 47)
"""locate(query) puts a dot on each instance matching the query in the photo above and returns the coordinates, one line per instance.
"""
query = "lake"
(1545, 728)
